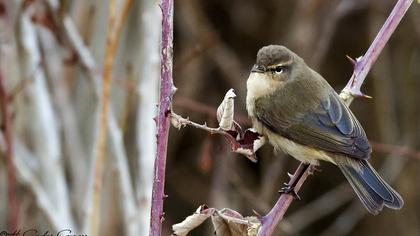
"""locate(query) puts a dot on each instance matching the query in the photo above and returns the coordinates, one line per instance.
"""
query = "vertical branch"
(352, 89)
(167, 90)
(11, 178)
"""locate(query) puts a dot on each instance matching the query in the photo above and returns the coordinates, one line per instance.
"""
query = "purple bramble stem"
(167, 90)
(276, 214)
(363, 65)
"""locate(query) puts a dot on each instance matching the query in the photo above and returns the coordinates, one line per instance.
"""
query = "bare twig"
(179, 122)
(167, 90)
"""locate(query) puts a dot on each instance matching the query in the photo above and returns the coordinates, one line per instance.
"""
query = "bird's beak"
(258, 69)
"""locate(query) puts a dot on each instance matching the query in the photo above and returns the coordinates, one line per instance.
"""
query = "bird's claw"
(287, 189)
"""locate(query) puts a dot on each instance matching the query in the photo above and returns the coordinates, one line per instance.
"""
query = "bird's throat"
(259, 85)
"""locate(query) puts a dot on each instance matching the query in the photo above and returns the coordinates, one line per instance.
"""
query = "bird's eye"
(279, 69)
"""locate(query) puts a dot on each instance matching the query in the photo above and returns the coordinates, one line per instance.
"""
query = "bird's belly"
(300, 152)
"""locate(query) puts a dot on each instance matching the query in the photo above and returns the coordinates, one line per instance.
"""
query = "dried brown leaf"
(226, 222)
(225, 111)
(192, 221)
(250, 143)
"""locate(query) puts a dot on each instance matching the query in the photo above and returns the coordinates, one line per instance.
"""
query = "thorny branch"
(362, 65)
(167, 90)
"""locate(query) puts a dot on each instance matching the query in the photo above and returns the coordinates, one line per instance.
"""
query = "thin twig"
(180, 122)
(167, 90)
(352, 89)
(239, 141)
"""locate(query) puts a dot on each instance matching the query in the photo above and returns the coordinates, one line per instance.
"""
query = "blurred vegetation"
(55, 103)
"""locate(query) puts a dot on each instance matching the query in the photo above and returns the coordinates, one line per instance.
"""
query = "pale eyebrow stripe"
(286, 63)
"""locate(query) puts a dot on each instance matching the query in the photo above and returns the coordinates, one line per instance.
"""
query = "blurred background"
(51, 60)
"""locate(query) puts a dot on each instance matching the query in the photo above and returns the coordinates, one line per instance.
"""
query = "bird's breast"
(259, 85)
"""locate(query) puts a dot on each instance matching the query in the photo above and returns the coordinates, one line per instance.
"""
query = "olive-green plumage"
(301, 114)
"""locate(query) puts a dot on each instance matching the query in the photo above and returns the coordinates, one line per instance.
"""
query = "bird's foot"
(287, 189)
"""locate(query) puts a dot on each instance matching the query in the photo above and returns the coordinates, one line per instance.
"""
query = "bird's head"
(276, 62)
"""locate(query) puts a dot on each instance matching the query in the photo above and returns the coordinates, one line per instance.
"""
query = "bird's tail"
(371, 189)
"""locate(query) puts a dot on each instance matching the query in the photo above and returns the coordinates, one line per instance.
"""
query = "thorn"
(161, 8)
(351, 60)
(290, 175)
(360, 94)
(155, 119)
(257, 214)
(165, 196)
(288, 189)
(173, 90)
(167, 112)
(366, 96)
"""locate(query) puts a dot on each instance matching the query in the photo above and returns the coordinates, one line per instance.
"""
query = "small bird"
(301, 114)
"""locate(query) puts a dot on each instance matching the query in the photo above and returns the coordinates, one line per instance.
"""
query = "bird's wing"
(329, 126)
